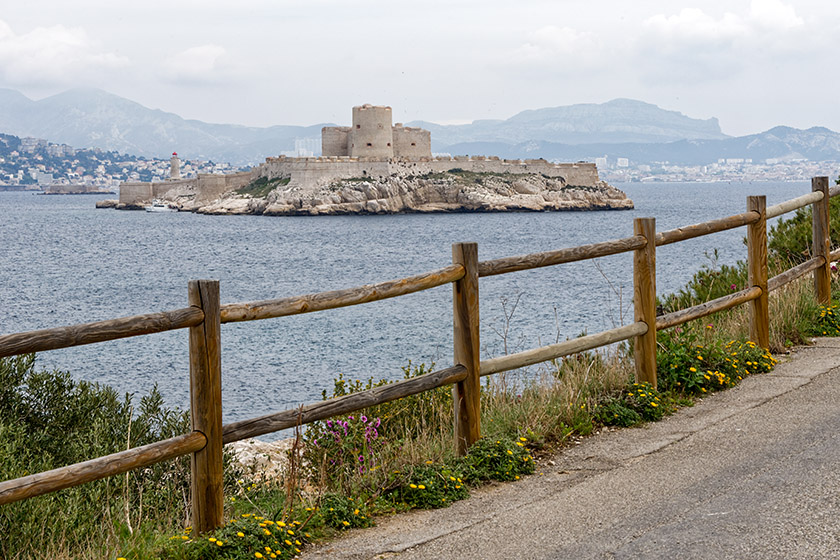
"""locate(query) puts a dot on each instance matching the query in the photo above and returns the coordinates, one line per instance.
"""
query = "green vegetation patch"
(260, 188)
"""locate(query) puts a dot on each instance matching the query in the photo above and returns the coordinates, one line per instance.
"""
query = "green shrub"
(686, 366)
(247, 536)
(712, 281)
(790, 239)
(828, 321)
(48, 420)
(431, 486)
(501, 459)
(639, 403)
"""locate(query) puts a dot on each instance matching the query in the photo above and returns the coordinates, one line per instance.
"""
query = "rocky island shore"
(449, 191)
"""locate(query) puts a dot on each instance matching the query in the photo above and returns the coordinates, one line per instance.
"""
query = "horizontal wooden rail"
(267, 309)
(100, 331)
(685, 315)
(341, 405)
(549, 258)
(833, 191)
(792, 274)
(834, 255)
(102, 467)
(793, 204)
(566, 348)
(705, 228)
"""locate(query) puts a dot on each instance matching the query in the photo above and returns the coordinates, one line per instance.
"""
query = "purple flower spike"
(364, 418)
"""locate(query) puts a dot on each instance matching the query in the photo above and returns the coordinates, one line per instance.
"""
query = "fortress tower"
(373, 136)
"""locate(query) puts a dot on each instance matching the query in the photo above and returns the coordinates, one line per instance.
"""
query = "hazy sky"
(753, 64)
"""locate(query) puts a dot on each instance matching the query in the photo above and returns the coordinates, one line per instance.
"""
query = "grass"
(260, 188)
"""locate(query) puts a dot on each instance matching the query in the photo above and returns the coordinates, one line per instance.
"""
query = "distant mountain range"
(639, 131)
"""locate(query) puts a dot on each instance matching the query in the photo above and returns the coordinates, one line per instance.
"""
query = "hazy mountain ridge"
(616, 121)
(780, 143)
(94, 118)
(639, 131)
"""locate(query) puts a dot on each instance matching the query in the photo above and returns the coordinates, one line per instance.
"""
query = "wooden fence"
(205, 315)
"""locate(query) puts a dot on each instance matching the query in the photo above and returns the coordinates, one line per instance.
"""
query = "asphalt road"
(752, 472)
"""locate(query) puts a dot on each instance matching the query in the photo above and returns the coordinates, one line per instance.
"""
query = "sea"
(63, 262)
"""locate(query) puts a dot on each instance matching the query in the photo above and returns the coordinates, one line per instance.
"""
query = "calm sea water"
(64, 262)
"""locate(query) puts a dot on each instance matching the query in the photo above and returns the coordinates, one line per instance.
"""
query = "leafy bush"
(712, 281)
(341, 450)
(431, 486)
(790, 239)
(48, 420)
(639, 403)
(247, 536)
(686, 366)
(500, 459)
(340, 511)
(828, 321)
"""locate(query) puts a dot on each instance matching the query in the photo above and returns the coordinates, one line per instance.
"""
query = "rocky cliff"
(450, 191)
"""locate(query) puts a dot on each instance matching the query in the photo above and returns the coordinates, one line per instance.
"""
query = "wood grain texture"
(644, 301)
(705, 228)
(267, 309)
(102, 467)
(833, 191)
(550, 258)
(793, 204)
(341, 405)
(466, 394)
(792, 274)
(100, 331)
(821, 241)
(690, 313)
(566, 348)
(757, 272)
(206, 407)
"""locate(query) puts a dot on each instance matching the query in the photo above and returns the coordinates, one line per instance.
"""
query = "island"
(374, 167)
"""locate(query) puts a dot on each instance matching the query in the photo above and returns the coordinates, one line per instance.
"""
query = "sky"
(753, 64)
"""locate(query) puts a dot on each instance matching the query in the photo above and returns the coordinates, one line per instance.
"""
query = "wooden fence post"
(822, 241)
(466, 394)
(644, 300)
(757, 272)
(206, 407)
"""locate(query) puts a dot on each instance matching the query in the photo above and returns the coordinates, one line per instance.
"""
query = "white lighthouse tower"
(174, 167)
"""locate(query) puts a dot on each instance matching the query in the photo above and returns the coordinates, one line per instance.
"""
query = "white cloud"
(774, 15)
(56, 55)
(202, 65)
(693, 46)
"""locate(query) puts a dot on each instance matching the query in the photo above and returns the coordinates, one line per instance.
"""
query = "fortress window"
(369, 144)
(389, 144)
(358, 126)
(413, 143)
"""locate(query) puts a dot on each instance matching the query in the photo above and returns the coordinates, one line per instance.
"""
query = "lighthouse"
(174, 167)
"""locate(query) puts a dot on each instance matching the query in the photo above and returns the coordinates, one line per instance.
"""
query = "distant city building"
(304, 147)
(622, 162)
(601, 161)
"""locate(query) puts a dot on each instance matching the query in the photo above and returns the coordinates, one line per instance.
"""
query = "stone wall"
(334, 140)
(135, 193)
(411, 142)
(205, 188)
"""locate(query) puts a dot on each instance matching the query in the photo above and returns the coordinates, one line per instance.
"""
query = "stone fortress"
(374, 166)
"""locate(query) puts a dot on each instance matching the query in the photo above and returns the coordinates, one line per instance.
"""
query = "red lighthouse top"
(174, 153)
